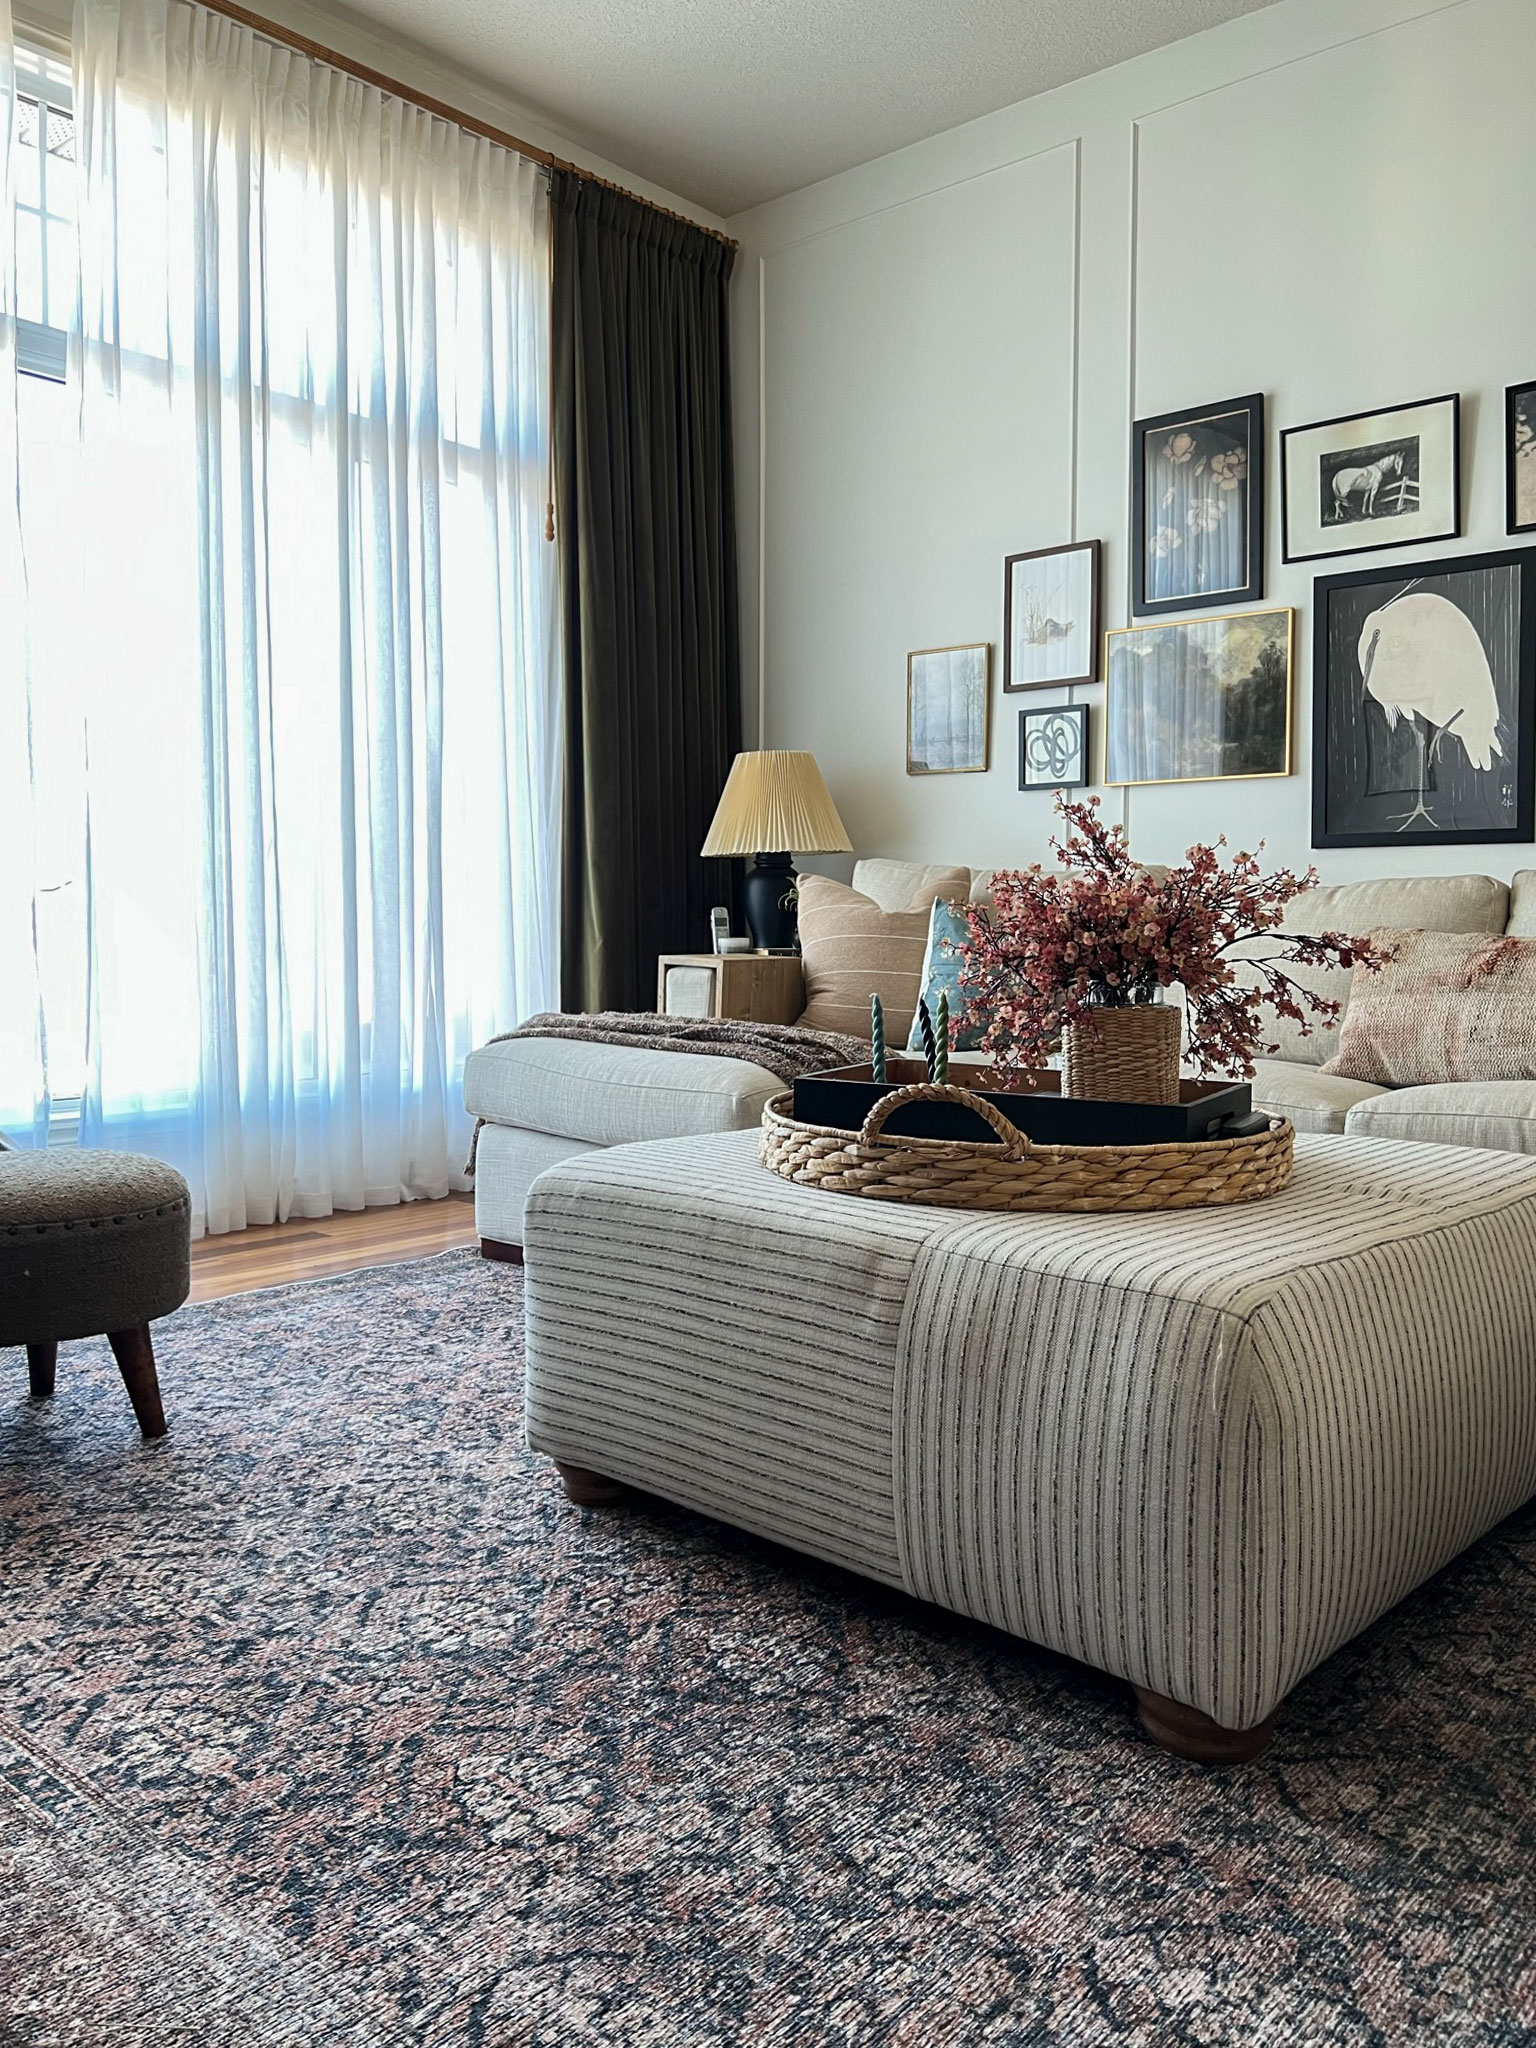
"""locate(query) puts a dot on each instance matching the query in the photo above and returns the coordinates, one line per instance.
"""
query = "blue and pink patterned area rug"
(328, 1720)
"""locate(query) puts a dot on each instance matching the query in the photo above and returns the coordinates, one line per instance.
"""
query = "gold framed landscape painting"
(1199, 700)
(949, 709)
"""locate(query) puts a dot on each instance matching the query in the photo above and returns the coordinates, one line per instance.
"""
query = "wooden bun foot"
(590, 1489)
(1188, 1732)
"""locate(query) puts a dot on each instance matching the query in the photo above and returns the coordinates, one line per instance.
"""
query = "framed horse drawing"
(1372, 480)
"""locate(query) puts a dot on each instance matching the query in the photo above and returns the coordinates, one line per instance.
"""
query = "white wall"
(939, 356)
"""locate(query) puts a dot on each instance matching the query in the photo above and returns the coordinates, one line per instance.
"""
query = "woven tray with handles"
(1018, 1174)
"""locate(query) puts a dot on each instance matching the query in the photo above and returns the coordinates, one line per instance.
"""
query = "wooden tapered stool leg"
(590, 1489)
(135, 1355)
(42, 1362)
(1188, 1732)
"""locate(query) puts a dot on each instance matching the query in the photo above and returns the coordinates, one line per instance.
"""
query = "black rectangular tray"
(841, 1098)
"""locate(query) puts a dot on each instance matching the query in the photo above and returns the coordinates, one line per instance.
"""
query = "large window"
(46, 256)
(292, 697)
(47, 272)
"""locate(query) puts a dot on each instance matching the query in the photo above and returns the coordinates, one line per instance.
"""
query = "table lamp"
(777, 800)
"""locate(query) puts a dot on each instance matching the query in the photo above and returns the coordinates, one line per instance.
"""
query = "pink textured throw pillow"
(1448, 1006)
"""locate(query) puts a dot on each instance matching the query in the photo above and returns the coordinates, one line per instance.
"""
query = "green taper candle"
(877, 1037)
(941, 1040)
(930, 1042)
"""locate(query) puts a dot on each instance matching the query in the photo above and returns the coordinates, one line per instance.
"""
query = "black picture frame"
(1236, 424)
(1377, 755)
(1084, 669)
(1371, 433)
(1519, 454)
(1051, 738)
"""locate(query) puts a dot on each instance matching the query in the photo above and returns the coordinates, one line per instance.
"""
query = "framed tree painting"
(1520, 457)
(1200, 700)
(1424, 687)
(948, 710)
(1053, 747)
(1372, 480)
(1197, 507)
(1051, 617)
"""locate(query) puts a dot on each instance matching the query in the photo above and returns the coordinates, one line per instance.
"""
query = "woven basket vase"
(1016, 1174)
(1123, 1055)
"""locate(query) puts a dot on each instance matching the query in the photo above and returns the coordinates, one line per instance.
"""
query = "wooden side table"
(768, 988)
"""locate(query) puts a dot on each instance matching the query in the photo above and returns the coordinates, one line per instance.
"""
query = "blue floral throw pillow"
(947, 932)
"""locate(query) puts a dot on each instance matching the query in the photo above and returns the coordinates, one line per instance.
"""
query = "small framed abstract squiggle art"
(1053, 747)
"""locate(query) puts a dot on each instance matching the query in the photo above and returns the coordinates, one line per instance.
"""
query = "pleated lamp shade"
(775, 802)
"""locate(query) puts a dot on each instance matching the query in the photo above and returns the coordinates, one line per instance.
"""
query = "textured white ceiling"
(731, 102)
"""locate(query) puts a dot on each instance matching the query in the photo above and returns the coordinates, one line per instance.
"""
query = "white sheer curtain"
(318, 654)
(22, 1078)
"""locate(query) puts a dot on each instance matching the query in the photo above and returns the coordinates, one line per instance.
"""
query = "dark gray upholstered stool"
(92, 1244)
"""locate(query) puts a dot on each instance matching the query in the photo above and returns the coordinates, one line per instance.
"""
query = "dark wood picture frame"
(1094, 550)
(1512, 421)
(1516, 726)
(1038, 714)
(1347, 419)
(1191, 418)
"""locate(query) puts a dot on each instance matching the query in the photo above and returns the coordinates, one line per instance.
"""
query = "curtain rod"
(274, 32)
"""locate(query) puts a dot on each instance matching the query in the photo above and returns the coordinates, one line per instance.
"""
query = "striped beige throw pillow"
(851, 949)
(1449, 1006)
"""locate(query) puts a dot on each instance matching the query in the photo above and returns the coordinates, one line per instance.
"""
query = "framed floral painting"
(1197, 507)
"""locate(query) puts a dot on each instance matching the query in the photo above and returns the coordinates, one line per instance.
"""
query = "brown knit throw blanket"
(786, 1050)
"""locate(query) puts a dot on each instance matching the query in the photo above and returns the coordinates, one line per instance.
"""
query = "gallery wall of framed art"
(945, 355)
(1423, 700)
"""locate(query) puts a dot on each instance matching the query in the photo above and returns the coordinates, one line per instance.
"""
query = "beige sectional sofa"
(545, 1100)
(1497, 1114)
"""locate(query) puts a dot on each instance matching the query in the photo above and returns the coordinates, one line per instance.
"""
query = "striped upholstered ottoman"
(1199, 1450)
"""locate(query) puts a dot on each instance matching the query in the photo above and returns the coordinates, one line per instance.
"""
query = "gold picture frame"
(949, 710)
(1240, 717)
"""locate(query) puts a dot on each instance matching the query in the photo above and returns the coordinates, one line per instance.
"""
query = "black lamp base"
(771, 921)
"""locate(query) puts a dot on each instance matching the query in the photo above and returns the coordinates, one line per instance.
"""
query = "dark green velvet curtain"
(646, 527)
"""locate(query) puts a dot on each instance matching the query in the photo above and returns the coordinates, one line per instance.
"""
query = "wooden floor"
(308, 1250)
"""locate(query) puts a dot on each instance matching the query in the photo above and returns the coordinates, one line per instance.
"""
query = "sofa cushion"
(1522, 905)
(851, 949)
(898, 884)
(612, 1094)
(1320, 1103)
(1434, 903)
(943, 966)
(1500, 1115)
(1448, 1006)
